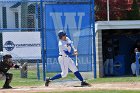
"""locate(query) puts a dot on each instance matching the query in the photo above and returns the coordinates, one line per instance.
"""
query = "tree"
(119, 9)
(134, 13)
(100, 10)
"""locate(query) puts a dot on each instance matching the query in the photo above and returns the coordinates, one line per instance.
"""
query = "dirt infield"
(73, 86)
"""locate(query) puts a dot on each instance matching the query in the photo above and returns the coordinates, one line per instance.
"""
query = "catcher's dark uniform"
(5, 65)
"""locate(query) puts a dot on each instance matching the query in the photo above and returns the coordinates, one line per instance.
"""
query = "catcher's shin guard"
(8, 81)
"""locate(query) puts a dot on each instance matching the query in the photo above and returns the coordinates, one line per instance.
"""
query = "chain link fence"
(26, 16)
(21, 16)
(74, 17)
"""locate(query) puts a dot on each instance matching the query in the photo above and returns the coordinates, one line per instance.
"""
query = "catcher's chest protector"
(4, 67)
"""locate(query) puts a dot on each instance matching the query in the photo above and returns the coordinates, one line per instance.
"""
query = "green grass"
(115, 79)
(32, 79)
(97, 91)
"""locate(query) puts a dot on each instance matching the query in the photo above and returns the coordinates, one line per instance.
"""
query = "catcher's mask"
(7, 59)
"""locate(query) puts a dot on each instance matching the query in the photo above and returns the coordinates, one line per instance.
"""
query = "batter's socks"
(56, 77)
(78, 75)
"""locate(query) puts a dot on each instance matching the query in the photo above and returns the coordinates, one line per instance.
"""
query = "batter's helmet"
(61, 33)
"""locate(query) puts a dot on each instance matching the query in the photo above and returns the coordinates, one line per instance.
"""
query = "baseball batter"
(65, 48)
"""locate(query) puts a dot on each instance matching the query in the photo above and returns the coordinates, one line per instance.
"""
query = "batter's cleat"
(47, 82)
(84, 84)
(7, 87)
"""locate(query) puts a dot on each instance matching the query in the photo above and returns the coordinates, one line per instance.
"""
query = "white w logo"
(69, 23)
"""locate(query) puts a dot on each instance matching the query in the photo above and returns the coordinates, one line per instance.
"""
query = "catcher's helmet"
(61, 33)
(7, 56)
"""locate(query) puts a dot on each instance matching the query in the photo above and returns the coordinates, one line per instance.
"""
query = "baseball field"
(71, 85)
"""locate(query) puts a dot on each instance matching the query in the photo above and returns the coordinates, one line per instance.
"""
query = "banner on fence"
(22, 45)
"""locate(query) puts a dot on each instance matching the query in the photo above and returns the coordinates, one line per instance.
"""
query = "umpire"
(5, 65)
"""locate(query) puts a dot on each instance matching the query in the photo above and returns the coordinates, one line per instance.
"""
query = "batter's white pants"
(66, 63)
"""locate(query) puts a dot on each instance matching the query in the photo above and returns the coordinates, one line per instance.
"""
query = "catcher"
(5, 65)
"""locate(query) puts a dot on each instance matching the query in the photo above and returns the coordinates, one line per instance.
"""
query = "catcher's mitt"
(24, 66)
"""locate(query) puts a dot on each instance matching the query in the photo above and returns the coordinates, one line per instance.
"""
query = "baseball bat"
(76, 60)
